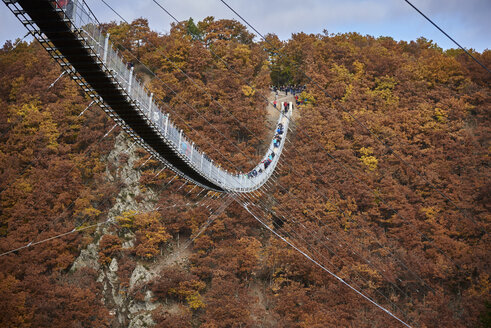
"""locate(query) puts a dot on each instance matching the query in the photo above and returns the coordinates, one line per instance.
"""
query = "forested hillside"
(384, 180)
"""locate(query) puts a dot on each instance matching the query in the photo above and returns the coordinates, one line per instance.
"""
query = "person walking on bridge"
(67, 6)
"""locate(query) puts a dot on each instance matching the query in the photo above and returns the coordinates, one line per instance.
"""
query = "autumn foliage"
(384, 181)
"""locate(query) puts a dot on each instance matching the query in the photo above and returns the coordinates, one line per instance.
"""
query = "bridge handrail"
(82, 19)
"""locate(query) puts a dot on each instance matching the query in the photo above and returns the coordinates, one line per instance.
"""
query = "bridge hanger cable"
(219, 131)
(19, 42)
(342, 165)
(86, 108)
(59, 77)
(448, 36)
(382, 142)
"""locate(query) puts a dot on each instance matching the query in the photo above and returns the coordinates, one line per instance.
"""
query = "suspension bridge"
(73, 38)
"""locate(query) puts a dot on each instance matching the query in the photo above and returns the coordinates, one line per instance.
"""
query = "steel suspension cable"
(321, 224)
(364, 229)
(248, 196)
(74, 230)
(86, 152)
(77, 230)
(323, 267)
(33, 243)
(358, 254)
(448, 36)
(331, 250)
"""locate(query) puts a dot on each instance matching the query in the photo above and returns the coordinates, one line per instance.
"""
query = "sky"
(467, 21)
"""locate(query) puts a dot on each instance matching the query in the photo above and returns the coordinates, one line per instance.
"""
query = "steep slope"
(341, 195)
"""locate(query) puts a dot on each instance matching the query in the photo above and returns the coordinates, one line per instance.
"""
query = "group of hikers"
(268, 160)
(292, 89)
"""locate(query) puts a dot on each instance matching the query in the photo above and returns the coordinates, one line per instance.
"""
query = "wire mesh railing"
(123, 73)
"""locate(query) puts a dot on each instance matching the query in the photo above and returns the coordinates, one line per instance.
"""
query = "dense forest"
(384, 181)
